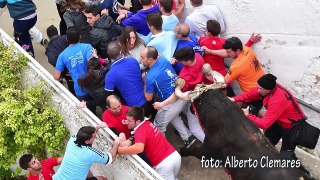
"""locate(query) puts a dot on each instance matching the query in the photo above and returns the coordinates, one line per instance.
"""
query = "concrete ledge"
(311, 162)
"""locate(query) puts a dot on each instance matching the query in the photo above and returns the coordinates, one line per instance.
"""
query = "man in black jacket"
(56, 45)
(104, 30)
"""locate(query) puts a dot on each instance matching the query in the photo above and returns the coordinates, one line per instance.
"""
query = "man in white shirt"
(202, 13)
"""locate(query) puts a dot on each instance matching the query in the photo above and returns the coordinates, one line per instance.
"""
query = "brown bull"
(232, 138)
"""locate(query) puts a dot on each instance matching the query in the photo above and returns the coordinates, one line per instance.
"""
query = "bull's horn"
(186, 95)
(207, 71)
(180, 83)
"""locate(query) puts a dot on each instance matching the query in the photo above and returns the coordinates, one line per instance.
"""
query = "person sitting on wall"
(39, 169)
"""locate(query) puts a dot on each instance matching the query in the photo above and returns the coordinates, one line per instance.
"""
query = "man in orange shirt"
(245, 68)
(212, 44)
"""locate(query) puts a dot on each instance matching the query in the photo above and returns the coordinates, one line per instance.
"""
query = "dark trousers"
(144, 157)
(275, 133)
(230, 92)
(62, 24)
(255, 106)
(87, 98)
(149, 111)
(21, 33)
(70, 84)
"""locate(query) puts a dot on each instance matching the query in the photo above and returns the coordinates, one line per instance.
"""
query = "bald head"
(114, 104)
(148, 56)
(182, 30)
(114, 50)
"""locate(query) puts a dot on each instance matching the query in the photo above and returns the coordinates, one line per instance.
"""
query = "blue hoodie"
(19, 8)
(111, 5)
(138, 21)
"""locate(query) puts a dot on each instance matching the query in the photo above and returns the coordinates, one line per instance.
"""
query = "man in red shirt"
(116, 119)
(115, 116)
(39, 169)
(192, 74)
(214, 52)
(191, 71)
(283, 111)
(162, 155)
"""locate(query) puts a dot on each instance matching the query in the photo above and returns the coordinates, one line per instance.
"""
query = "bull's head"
(196, 93)
(214, 76)
(200, 88)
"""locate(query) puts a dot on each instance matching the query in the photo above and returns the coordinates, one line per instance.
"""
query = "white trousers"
(170, 114)
(170, 166)
(36, 34)
(193, 123)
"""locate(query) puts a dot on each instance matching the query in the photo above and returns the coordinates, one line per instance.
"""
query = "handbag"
(304, 134)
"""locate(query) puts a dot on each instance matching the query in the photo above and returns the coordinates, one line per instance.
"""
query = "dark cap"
(267, 81)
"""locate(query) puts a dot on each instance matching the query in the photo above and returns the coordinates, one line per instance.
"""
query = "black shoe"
(44, 42)
(188, 142)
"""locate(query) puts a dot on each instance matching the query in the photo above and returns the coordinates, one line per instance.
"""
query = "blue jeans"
(21, 33)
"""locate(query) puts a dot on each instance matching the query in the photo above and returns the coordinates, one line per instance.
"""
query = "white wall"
(290, 48)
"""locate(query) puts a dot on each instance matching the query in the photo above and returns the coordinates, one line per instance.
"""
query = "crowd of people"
(126, 61)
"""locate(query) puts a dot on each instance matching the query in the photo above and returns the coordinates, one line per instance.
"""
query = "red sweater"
(279, 108)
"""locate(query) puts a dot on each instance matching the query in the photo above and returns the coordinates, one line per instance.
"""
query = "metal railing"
(310, 106)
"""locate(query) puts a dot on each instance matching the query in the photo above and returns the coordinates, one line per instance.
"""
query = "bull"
(230, 136)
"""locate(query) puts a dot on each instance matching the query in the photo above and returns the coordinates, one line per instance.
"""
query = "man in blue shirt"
(125, 76)
(170, 20)
(160, 81)
(185, 39)
(74, 58)
(138, 20)
(80, 155)
(164, 41)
